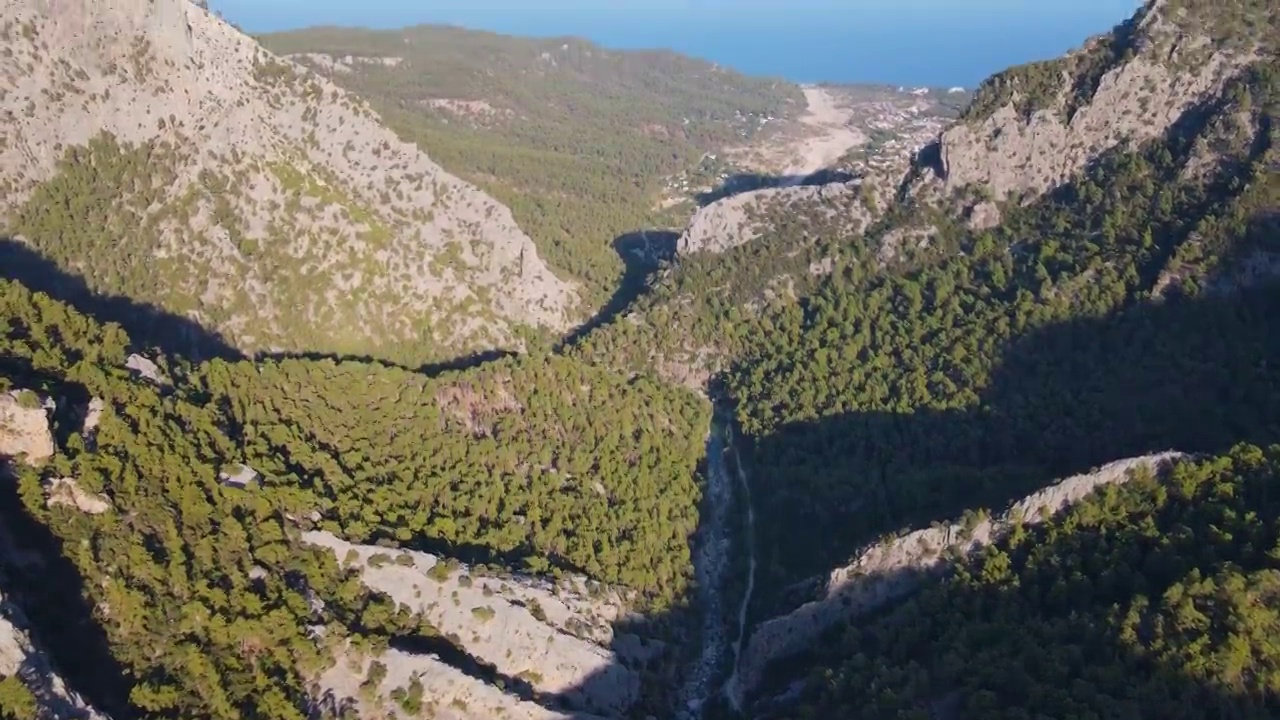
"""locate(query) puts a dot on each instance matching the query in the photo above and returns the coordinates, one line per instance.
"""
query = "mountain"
(590, 146)
(1028, 131)
(1148, 600)
(992, 423)
(577, 139)
(271, 538)
(156, 152)
(1031, 128)
(1081, 269)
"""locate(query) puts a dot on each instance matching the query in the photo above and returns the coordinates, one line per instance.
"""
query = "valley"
(433, 373)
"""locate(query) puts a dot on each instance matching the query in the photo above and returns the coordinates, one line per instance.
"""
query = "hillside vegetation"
(574, 138)
(887, 358)
(892, 365)
(204, 594)
(1155, 599)
(1050, 344)
(168, 159)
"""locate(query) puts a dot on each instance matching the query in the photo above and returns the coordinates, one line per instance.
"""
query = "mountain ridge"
(297, 194)
(1033, 296)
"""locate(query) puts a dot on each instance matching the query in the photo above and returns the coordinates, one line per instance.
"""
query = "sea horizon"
(908, 43)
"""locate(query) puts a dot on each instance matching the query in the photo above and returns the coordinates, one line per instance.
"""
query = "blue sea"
(901, 42)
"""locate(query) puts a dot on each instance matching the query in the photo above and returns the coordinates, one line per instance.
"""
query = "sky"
(914, 42)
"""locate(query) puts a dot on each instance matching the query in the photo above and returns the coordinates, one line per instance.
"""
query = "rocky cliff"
(888, 571)
(153, 149)
(449, 693)
(20, 658)
(1033, 127)
(24, 426)
(26, 436)
(556, 638)
(739, 219)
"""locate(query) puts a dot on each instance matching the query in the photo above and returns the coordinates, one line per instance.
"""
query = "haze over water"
(906, 42)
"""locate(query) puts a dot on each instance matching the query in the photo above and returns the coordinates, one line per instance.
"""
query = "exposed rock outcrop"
(237, 476)
(890, 570)
(555, 637)
(983, 216)
(1056, 116)
(449, 694)
(67, 492)
(741, 218)
(266, 194)
(901, 240)
(92, 419)
(24, 426)
(146, 369)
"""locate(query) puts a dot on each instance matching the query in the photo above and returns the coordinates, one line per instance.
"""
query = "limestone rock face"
(739, 219)
(92, 419)
(67, 492)
(24, 426)
(555, 637)
(451, 694)
(888, 571)
(1173, 68)
(278, 210)
(983, 216)
(237, 475)
(144, 368)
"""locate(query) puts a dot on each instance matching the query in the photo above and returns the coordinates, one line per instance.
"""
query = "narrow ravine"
(731, 690)
(712, 564)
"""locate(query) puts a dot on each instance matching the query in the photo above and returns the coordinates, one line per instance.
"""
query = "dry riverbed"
(820, 137)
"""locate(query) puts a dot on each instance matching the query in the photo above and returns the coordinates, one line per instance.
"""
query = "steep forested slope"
(181, 594)
(1153, 599)
(1165, 77)
(505, 461)
(1045, 290)
(889, 366)
(1101, 322)
(575, 138)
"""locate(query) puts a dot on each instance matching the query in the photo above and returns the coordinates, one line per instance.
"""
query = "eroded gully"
(712, 565)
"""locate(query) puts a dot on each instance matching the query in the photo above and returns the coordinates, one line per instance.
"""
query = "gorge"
(426, 372)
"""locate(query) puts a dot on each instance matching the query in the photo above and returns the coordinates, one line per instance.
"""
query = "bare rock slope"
(24, 426)
(739, 219)
(1033, 127)
(247, 193)
(450, 693)
(556, 638)
(887, 571)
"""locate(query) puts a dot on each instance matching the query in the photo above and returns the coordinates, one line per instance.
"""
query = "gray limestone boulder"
(24, 426)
